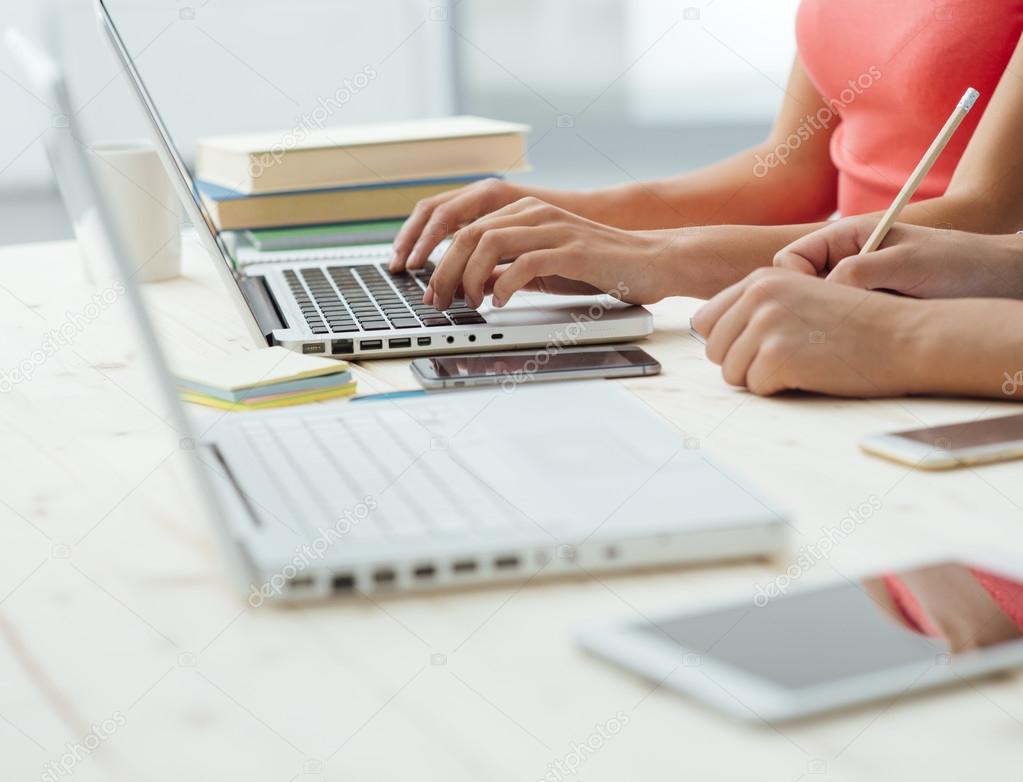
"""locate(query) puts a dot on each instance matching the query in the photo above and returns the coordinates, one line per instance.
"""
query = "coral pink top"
(895, 71)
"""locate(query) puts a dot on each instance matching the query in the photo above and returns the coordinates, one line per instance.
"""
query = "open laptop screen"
(233, 68)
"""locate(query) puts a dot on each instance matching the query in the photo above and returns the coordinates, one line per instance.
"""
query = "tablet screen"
(858, 628)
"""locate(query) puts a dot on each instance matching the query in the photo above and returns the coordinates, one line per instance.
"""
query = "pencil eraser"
(969, 98)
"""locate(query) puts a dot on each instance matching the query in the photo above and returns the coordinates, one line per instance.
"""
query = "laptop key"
(460, 319)
(434, 322)
(405, 323)
(374, 325)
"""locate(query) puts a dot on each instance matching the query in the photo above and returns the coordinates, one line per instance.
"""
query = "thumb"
(883, 269)
(820, 251)
(795, 262)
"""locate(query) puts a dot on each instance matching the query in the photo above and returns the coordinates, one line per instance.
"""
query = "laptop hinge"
(264, 308)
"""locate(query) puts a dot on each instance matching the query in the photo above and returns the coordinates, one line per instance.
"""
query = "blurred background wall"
(614, 89)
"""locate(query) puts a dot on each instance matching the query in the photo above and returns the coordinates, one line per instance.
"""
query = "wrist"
(964, 347)
(659, 262)
(1009, 275)
(919, 345)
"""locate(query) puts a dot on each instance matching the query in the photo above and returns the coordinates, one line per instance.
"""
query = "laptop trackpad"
(629, 473)
(531, 309)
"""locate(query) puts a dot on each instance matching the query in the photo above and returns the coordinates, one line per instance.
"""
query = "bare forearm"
(706, 259)
(743, 189)
(703, 260)
(965, 212)
(968, 347)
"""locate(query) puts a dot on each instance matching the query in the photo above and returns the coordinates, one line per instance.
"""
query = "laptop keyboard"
(369, 297)
(418, 492)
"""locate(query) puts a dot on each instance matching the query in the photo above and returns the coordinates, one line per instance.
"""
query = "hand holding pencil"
(824, 252)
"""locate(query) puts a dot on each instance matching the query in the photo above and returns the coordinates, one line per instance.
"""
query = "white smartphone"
(519, 366)
(942, 447)
(778, 656)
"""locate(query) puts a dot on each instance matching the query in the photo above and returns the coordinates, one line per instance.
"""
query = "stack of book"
(353, 174)
(264, 379)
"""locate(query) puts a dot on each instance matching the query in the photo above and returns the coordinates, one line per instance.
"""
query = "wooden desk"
(112, 605)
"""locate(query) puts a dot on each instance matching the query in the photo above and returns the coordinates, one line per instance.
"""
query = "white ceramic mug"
(145, 206)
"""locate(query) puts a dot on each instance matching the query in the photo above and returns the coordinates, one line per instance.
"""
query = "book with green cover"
(336, 235)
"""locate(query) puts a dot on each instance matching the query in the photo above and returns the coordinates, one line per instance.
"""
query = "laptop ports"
(507, 562)
(462, 566)
(424, 571)
(404, 342)
(371, 344)
(343, 583)
(301, 583)
(384, 577)
(423, 341)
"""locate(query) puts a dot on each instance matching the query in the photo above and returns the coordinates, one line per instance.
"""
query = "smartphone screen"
(972, 434)
(529, 362)
(905, 620)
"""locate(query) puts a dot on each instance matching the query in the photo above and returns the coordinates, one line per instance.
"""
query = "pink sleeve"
(1008, 594)
(909, 609)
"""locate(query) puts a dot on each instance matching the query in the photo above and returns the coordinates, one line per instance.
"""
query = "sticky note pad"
(255, 369)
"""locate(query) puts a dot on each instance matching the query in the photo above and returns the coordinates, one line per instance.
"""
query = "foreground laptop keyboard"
(319, 467)
(343, 299)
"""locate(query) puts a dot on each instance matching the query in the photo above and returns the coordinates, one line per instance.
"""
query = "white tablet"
(780, 656)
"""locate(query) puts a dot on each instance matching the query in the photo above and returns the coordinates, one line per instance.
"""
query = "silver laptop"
(450, 489)
(343, 301)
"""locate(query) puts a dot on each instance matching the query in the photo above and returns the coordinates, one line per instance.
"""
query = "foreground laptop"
(452, 489)
(343, 301)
